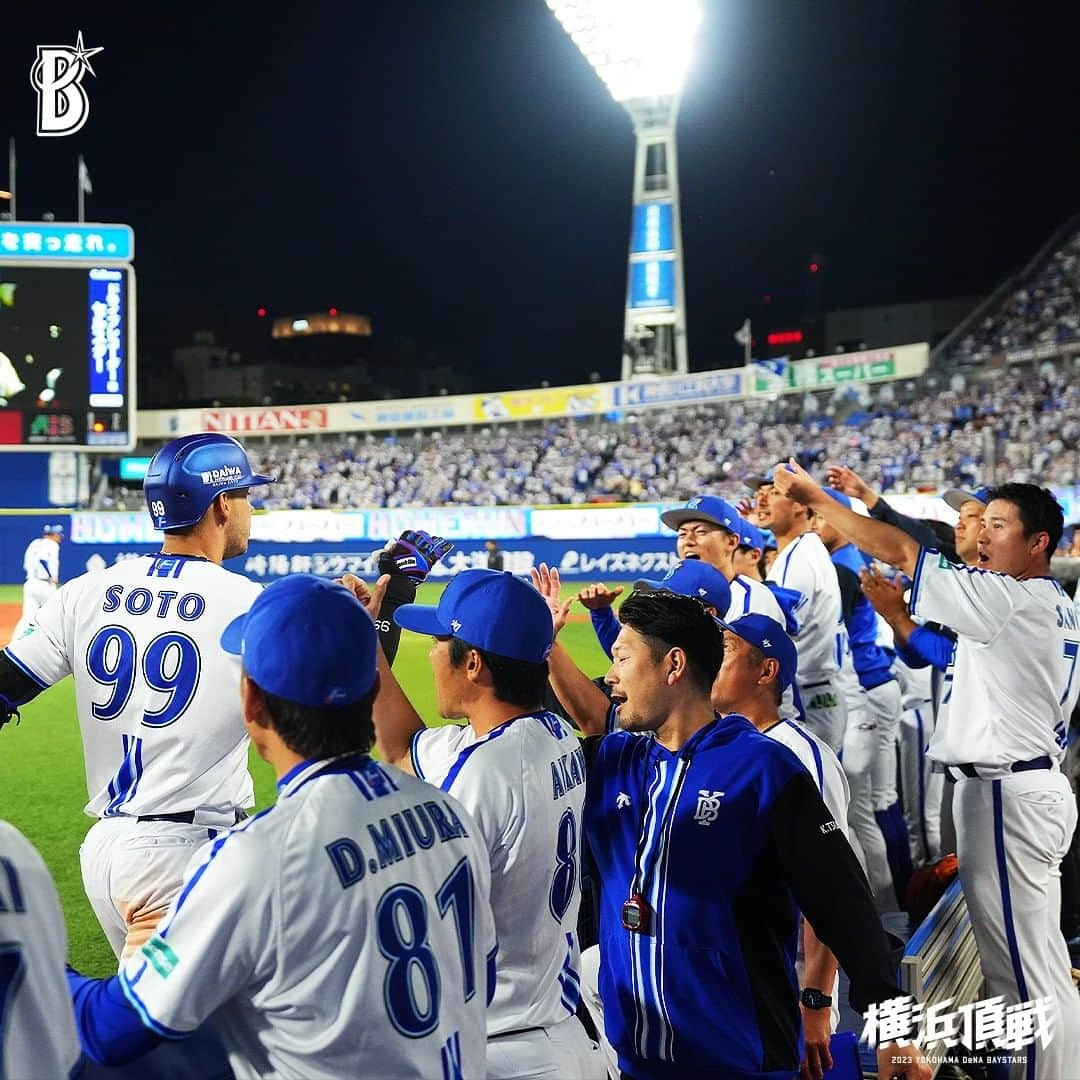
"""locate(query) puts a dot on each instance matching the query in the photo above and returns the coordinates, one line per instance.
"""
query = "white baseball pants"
(132, 871)
(34, 594)
(554, 1053)
(1011, 836)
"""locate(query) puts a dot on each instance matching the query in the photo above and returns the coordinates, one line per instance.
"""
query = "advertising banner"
(678, 389)
(533, 404)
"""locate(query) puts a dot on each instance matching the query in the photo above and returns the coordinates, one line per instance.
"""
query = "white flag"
(84, 178)
(742, 335)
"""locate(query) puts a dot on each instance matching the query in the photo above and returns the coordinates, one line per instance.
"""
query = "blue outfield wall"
(266, 560)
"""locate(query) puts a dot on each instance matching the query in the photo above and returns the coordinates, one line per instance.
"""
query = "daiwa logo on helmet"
(226, 474)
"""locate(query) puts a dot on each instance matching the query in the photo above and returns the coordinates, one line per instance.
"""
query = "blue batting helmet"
(185, 475)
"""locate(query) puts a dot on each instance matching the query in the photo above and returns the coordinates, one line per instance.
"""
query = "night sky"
(457, 171)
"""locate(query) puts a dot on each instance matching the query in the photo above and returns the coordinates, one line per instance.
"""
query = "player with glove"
(408, 560)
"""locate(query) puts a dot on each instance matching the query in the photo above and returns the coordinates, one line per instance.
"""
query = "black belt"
(972, 771)
(186, 817)
(516, 1031)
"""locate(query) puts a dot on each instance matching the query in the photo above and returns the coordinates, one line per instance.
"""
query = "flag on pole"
(84, 178)
(742, 335)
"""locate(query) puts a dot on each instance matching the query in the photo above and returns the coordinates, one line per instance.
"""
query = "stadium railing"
(942, 960)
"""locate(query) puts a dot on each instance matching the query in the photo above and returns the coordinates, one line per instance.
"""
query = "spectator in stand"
(930, 435)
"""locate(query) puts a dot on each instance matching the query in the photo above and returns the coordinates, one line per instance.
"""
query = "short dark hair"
(187, 530)
(319, 733)
(1038, 509)
(667, 620)
(515, 682)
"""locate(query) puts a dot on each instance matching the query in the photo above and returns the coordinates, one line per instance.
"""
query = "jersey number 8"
(170, 665)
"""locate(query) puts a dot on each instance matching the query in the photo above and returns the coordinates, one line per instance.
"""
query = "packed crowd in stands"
(1042, 310)
(1022, 423)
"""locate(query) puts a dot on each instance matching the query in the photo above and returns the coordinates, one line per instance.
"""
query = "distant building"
(894, 324)
(323, 356)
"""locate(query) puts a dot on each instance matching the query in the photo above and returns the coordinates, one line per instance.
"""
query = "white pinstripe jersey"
(158, 699)
(524, 785)
(1014, 672)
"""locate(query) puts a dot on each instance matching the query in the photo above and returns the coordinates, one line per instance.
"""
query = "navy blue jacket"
(734, 840)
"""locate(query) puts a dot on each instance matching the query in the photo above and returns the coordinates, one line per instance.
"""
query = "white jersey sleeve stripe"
(815, 751)
(465, 754)
(144, 1014)
(414, 756)
(25, 670)
(787, 563)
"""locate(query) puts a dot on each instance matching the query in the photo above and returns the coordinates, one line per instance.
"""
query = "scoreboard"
(67, 337)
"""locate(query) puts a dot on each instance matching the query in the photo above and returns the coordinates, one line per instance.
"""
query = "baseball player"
(37, 1030)
(346, 931)
(1001, 742)
(872, 696)
(747, 558)
(164, 745)
(930, 647)
(708, 529)
(41, 562)
(803, 565)
(707, 835)
(520, 773)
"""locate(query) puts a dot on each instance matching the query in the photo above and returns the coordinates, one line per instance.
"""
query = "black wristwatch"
(815, 999)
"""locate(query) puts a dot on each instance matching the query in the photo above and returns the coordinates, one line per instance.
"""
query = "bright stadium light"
(642, 50)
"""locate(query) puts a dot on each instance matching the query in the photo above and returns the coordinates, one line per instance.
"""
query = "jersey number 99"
(170, 665)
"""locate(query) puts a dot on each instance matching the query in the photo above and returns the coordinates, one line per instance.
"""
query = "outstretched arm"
(396, 721)
(586, 703)
(882, 541)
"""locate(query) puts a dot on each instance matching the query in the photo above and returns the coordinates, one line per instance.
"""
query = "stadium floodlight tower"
(642, 49)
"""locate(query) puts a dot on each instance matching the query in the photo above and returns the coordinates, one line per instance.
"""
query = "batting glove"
(413, 554)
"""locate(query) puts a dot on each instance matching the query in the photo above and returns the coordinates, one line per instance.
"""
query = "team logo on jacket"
(622, 801)
(708, 806)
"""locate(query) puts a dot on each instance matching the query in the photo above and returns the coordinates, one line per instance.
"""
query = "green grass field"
(43, 787)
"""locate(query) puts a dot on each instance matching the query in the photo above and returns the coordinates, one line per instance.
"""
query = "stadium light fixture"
(642, 50)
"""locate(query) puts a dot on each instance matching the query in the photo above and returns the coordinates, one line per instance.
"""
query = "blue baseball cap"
(692, 577)
(750, 536)
(54, 530)
(710, 508)
(491, 610)
(307, 640)
(769, 637)
(769, 540)
(956, 497)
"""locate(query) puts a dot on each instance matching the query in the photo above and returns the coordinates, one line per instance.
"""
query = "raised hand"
(548, 584)
(413, 554)
(598, 596)
(886, 597)
(850, 483)
(371, 597)
(795, 482)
